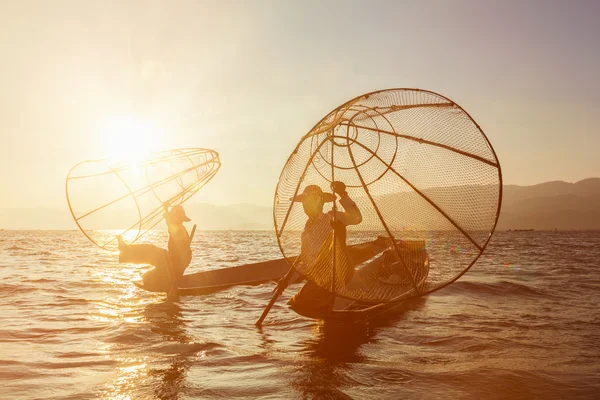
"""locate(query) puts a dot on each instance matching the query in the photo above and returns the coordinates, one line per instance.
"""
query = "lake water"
(524, 322)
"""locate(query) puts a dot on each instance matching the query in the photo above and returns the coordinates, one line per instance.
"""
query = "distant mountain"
(585, 188)
(552, 205)
(235, 216)
(207, 216)
(549, 205)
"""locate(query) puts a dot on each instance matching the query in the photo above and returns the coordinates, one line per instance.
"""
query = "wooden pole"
(280, 288)
(193, 232)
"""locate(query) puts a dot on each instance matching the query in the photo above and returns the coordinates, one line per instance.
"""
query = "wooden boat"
(206, 282)
(378, 271)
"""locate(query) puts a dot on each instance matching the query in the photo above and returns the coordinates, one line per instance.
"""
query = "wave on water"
(394, 376)
(76, 327)
(66, 301)
(16, 248)
(42, 280)
(41, 253)
(230, 259)
(7, 290)
(500, 288)
(186, 348)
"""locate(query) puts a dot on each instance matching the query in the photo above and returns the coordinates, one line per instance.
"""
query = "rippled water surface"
(524, 322)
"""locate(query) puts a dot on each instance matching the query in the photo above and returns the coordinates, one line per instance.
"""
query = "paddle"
(281, 285)
(193, 232)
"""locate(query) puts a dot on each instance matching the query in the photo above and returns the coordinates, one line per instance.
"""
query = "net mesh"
(422, 174)
(109, 198)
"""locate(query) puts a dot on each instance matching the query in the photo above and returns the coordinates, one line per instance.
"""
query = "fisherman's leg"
(311, 296)
(158, 279)
(176, 269)
(143, 254)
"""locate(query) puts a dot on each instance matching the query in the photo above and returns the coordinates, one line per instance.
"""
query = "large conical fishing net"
(424, 177)
(110, 197)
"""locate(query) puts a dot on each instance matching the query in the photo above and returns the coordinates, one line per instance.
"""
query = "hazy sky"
(249, 78)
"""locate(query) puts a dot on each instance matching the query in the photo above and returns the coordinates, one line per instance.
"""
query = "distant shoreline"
(542, 207)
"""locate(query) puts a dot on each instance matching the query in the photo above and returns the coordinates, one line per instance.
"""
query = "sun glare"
(130, 138)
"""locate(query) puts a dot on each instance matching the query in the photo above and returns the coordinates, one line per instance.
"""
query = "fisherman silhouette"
(169, 265)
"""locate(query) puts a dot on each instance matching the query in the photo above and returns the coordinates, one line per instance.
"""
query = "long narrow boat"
(206, 282)
(377, 272)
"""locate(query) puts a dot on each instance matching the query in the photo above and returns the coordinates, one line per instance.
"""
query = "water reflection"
(336, 347)
(167, 320)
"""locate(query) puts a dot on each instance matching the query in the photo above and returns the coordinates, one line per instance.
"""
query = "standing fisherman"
(169, 265)
(317, 236)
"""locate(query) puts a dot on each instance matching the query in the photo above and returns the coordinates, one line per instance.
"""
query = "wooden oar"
(282, 285)
(193, 232)
(280, 288)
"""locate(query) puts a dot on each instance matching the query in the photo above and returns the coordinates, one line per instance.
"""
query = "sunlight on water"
(74, 326)
(125, 385)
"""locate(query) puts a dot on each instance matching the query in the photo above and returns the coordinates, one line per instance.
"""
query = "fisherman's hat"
(178, 213)
(314, 190)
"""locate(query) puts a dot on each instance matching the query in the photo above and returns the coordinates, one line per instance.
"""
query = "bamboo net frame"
(423, 174)
(103, 190)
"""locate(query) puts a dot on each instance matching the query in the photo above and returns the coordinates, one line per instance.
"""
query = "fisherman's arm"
(351, 214)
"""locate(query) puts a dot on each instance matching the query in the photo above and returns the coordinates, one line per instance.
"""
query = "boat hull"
(349, 310)
(207, 282)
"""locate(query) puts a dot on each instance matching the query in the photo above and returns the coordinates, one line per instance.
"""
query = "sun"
(130, 138)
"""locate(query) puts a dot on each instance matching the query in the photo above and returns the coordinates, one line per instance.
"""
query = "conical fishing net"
(109, 198)
(424, 178)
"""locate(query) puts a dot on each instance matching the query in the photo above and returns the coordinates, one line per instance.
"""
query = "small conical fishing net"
(111, 197)
(425, 180)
